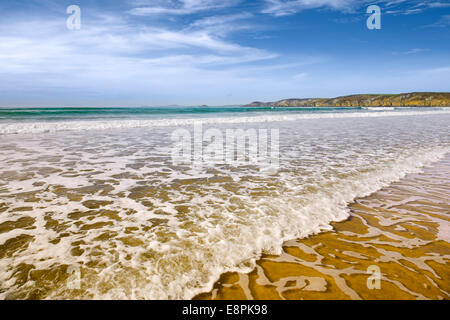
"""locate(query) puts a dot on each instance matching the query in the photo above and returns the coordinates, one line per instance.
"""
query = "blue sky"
(217, 52)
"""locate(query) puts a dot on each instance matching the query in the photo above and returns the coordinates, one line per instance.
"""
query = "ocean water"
(96, 191)
(41, 120)
(403, 229)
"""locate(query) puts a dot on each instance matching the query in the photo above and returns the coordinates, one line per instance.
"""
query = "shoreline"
(63, 207)
(403, 229)
(45, 127)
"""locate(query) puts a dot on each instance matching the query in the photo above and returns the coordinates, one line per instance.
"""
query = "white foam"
(42, 127)
(227, 228)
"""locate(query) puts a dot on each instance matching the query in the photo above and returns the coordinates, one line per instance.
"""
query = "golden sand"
(403, 231)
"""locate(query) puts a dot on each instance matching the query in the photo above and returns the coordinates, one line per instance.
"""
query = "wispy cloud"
(36, 42)
(222, 25)
(300, 76)
(416, 50)
(412, 51)
(192, 45)
(288, 7)
(409, 7)
(444, 21)
(178, 7)
(401, 7)
(438, 4)
(41, 54)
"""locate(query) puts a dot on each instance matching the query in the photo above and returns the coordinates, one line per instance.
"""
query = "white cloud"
(220, 20)
(110, 58)
(412, 51)
(404, 7)
(222, 25)
(42, 45)
(416, 50)
(445, 69)
(300, 76)
(288, 7)
(178, 7)
(444, 21)
(438, 5)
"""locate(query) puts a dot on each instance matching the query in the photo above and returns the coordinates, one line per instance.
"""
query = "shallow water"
(112, 203)
(404, 230)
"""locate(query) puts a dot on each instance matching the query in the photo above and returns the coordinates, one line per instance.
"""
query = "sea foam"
(141, 227)
(54, 126)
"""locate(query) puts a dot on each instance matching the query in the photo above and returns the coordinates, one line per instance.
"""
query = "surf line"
(193, 310)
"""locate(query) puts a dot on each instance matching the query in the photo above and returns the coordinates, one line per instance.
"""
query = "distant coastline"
(414, 99)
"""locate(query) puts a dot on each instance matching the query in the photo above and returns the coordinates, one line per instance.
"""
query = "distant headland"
(414, 99)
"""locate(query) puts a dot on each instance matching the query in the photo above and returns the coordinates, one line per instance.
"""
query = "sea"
(96, 204)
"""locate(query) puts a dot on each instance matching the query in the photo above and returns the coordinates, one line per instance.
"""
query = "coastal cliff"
(415, 99)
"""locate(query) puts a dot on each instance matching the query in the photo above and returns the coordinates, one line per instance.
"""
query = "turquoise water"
(58, 114)
(40, 120)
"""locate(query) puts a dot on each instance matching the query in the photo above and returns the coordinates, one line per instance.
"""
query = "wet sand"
(402, 230)
(83, 218)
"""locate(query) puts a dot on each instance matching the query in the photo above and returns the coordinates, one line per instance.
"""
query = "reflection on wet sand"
(404, 230)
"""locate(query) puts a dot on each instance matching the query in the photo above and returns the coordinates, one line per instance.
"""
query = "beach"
(93, 204)
(187, 152)
(403, 229)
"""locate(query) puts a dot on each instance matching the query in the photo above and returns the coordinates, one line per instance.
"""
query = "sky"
(131, 53)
